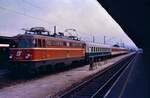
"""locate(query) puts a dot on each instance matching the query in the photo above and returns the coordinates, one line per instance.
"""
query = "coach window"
(91, 49)
(101, 49)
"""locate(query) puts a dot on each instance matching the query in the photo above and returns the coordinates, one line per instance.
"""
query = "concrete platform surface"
(52, 84)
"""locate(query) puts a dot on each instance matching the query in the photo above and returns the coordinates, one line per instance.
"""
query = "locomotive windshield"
(25, 43)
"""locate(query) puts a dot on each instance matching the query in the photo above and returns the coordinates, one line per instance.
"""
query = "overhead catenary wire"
(23, 14)
(26, 15)
(20, 4)
(31, 4)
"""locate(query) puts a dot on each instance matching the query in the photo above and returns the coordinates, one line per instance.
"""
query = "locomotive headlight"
(27, 56)
(10, 57)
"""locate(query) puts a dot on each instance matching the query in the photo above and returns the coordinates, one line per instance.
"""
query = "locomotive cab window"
(25, 43)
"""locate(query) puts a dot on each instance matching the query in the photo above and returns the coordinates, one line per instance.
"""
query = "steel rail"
(97, 75)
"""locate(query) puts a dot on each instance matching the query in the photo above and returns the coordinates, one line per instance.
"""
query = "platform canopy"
(133, 17)
(7, 40)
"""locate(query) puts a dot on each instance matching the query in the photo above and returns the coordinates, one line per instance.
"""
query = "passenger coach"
(97, 51)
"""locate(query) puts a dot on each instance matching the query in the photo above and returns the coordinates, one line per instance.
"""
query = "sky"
(88, 17)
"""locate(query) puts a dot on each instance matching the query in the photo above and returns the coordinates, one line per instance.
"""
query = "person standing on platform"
(91, 61)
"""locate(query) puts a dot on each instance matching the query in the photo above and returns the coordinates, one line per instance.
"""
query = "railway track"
(98, 85)
(4, 73)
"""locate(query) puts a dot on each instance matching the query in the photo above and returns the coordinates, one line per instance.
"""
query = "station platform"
(54, 84)
(134, 82)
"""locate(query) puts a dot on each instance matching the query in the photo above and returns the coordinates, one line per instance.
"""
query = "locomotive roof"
(47, 37)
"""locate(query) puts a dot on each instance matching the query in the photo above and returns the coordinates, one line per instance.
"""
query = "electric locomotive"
(37, 49)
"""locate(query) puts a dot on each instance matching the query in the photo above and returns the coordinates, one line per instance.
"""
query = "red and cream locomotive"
(37, 48)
